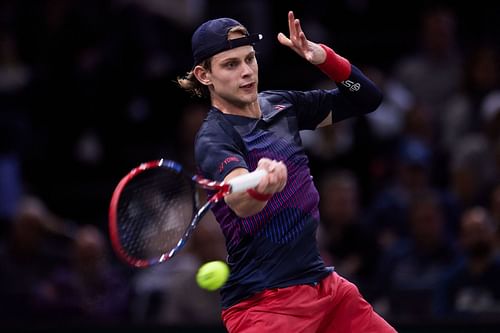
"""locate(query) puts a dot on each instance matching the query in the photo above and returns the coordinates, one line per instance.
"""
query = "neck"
(251, 110)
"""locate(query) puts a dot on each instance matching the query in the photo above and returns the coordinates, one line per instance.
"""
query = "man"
(278, 282)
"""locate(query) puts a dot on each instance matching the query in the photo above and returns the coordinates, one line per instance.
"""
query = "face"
(476, 235)
(233, 78)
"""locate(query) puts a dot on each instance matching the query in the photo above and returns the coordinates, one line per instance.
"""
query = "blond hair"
(190, 83)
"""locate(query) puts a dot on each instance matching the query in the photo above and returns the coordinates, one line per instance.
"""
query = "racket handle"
(246, 181)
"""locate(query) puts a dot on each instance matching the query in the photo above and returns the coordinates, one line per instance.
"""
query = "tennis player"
(278, 281)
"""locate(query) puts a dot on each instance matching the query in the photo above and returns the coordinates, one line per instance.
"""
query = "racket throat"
(225, 189)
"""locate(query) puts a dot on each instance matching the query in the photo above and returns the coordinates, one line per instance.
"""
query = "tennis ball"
(212, 275)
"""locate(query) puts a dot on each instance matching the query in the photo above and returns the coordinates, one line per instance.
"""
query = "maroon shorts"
(333, 305)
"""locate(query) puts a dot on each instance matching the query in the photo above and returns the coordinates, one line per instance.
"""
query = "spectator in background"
(470, 289)
(344, 242)
(387, 215)
(490, 111)
(433, 72)
(410, 270)
(104, 70)
(389, 121)
(351, 144)
(494, 208)
(88, 289)
(36, 244)
(464, 112)
(15, 79)
(190, 121)
(472, 170)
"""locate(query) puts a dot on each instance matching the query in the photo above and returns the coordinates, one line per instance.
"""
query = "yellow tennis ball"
(212, 275)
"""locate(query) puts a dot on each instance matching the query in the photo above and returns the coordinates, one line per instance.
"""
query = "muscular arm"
(243, 204)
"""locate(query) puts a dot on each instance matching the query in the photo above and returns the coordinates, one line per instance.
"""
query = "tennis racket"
(156, 206)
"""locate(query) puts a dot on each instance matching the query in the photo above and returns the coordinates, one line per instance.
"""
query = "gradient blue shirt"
(277, 247)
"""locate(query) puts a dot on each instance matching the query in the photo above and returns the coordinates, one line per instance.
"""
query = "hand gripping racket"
(155, 208)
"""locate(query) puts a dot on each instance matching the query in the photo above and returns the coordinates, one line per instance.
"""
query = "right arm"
(249, 203)
(219, 157)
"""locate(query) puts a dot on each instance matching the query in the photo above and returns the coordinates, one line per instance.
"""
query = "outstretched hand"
(298, 42)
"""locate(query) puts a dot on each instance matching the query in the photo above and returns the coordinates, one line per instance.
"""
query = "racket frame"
(222, 188)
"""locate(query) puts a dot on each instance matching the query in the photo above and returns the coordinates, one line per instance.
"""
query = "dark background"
(87, 91)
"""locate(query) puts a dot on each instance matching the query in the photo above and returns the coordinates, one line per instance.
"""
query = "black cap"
(211, 38)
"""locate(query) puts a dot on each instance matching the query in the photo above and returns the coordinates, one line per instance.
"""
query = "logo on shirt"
(227, 161)
(279, 107)
(353, 86)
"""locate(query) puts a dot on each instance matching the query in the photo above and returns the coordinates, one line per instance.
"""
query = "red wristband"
(336, 67)
(258, 196)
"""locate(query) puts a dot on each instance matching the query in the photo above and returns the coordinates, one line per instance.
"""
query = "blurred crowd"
(410, 194)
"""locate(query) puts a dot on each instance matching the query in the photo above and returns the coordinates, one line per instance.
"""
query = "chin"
(250, 98)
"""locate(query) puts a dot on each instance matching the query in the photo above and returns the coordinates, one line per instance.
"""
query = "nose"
(247, 70)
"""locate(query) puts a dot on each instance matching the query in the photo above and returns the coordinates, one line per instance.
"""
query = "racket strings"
(154, 211)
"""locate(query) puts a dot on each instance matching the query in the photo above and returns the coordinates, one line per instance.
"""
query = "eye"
(230, 64)
(250, 59)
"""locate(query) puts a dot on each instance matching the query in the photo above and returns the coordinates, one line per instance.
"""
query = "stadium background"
(87, 91)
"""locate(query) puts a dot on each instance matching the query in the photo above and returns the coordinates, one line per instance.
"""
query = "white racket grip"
(246, 181)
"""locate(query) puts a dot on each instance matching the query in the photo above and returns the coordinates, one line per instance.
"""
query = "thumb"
(284, 40)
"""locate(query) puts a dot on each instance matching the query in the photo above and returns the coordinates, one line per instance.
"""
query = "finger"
(303, 42)
(297, 28)
(305, 47)
(295, 37)
(301, 36)
(280, 166)
(291, 20)
(263, 162)
(284, 40)
(293, 32)
(272, 166)
(281, 175)
(284, 178)
(282, 187)
(273, 181)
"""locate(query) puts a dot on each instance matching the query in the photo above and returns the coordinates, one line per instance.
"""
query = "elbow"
(368, 103)
(367, 96)
(373, 101)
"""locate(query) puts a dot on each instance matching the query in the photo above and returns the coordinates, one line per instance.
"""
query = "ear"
(202, 75)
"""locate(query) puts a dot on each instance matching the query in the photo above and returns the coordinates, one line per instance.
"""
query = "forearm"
(243, 205)
(357, 94)
(254, 200)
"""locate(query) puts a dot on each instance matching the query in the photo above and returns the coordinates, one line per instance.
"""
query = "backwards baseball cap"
(212, 37)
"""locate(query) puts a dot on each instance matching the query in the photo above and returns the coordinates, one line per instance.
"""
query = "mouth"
(248, 86)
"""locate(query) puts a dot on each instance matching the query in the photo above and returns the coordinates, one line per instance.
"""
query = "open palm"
(298, 42)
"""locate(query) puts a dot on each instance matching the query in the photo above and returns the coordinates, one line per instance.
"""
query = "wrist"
(258, 196)
(335, 66)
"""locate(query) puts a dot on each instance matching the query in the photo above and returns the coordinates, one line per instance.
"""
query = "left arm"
(356, 94)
